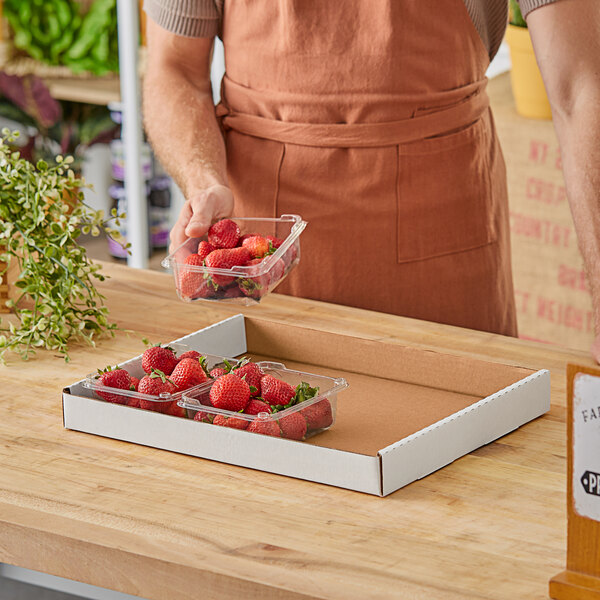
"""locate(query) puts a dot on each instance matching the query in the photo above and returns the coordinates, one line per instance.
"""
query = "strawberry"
(229, 392)
(195, 285)
(159, 358)
(266, 427)
(189, 354)
(226, 259)
(154, 384)
(245, 237)
(277, 271)
(217, 372)
(256, 406)
(188, 373)
(203, 417)
(293, 426)
(233, 292)
(134, 402)
(194, 259)
(257, 245)
(224, 234)
(134, 384)
(252, 375)
(204, 249)
(275, 242)
(234, 422)
(290, 256)
(275, 391)
(254, 284)
(115, 378)
(318, 415)
(175, 410)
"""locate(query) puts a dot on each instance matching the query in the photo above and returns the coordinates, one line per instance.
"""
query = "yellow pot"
(528, 88)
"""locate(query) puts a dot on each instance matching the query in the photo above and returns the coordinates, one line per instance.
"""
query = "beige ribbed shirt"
(202, 18)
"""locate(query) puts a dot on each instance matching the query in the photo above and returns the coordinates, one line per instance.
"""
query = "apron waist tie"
(359, 135)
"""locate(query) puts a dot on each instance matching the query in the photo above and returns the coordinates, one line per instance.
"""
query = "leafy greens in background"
(514, 14)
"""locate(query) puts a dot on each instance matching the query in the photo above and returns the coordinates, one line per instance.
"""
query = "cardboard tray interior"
(394, 390)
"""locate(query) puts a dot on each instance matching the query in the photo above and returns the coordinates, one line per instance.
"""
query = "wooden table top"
(167, 526)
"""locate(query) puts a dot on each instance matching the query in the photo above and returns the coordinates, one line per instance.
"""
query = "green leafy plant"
(42, 213)
(514, 14)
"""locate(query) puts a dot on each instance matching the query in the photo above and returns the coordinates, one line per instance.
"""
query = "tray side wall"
(284, 457)
(485, 421)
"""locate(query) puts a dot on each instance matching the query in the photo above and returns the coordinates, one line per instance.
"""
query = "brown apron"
(371, 120)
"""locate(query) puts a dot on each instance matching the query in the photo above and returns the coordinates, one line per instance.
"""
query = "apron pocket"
(445, 196)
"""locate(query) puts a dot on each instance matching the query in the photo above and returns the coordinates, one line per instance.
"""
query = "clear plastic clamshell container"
(164, 403)
(244, 284)
(318, 412)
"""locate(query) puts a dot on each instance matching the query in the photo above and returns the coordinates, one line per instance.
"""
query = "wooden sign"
(581, 580)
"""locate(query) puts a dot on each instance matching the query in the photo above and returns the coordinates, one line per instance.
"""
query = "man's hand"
(200, 211)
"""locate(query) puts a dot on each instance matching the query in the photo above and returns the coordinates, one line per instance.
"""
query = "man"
(371, 120)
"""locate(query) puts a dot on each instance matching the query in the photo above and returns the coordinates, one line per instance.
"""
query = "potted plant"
(527, 84)
(53, 295)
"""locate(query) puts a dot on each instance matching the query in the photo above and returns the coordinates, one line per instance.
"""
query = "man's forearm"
(579, 136)
(179, 118)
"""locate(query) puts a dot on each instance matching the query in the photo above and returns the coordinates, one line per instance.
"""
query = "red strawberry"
(293, 426)
(245, 237)
(217, 372)
(257, 245)
(275, 242)
(191, 282)
(155, 384)
(134, 384)
(194, 259)
(224, 234)
(257, 406)
(204, 249)
(195, 285)
(175, 410)
(134, 402)
(275, 391)
(188, 373)
(290, 256)
(233, 292)
(234, 422)
(189, 354)
(252, 375)
(226, 259)
(277, 271)
(159, 358)
(230, 393)
(266, 427)
(254, 284)
(115, 378)
(318, 415)
(204, 417)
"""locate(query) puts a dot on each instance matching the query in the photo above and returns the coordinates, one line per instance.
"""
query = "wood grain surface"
(171, 527)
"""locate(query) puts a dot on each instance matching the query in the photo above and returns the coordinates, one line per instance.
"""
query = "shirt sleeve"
(189, 18)
(528, 5)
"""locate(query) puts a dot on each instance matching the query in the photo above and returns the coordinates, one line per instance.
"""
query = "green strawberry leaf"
(252, 388)
(204, 364)
(271, 249)
(304, 392)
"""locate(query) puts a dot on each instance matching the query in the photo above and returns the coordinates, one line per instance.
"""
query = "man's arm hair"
(566, 39)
